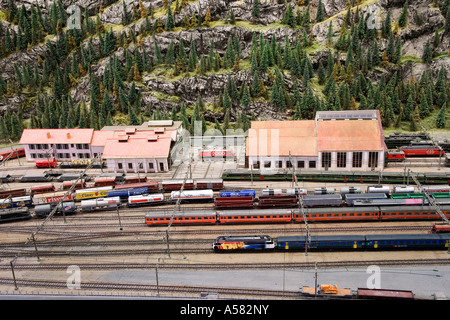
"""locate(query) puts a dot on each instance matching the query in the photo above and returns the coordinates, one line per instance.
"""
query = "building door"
(161, 166)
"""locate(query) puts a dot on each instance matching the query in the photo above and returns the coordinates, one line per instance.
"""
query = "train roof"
(168, 214)
(413, 208)
(323, 238)
(244, 238)
(270, 212)
(405, 237)
(93, 189)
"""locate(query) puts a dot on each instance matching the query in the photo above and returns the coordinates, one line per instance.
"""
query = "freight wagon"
(44, 210)
(145, 200)
(192, 195)
(101, 204)
(90, 193)
(14, 214)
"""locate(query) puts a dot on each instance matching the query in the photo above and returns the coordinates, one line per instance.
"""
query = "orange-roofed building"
(335, 140)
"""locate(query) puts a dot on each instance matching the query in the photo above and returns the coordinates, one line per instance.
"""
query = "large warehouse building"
(144, 148)
(334, 140)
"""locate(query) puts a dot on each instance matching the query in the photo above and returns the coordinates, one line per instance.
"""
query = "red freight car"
(81, 184)
(171, 185)
(105, 181)
(396, 156)
(233, 202)
(13, 193)
(46, 163)
(277, 201)
(385, 294)
(440, 228)
(152, 186)
(215, 184)
(44, 188)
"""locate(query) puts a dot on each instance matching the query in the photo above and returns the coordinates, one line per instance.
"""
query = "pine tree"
(245, 101)
(170, 23)
(427, 55)
(256, 9)
(440, 119)
(320, 12)
(403, 20)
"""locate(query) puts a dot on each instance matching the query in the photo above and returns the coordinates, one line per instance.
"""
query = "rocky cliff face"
(319, 33)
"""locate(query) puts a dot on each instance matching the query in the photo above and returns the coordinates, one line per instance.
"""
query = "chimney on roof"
(49, 135)
(68, 135)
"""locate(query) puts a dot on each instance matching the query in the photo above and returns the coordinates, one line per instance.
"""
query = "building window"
(150, 165)
(119, 165)
(312, 164)
(288, 164)
(357, 160)
(300, 164)
(280, 164)
(267, 164)
(130, 165)
(341, 159)
(326, 160)
(373, 159)
(31, 146)
(256, 165)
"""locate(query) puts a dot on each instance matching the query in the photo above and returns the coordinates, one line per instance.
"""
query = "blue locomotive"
(238, 193)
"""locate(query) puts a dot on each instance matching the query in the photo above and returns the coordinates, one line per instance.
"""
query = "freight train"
(378, 242)
(333, 176)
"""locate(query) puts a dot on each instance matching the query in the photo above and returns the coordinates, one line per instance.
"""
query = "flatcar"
(235, 243)
(146, 199)
(90, 193)
(332, 200)
(233, 202)
(124, 194)
(35, 178)
(385, 294)
(6, 178)
(188, 217)
(12, 154)
(192, 195)
(252, 216)
(46, 163)
(171, 185)
(440, 228)
(214, 184)
(72, 177)
(44, 210)
(14, 214)
(238, 193)
(101, 204)
(421, 151)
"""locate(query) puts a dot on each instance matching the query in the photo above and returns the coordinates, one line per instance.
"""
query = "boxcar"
(187, 217)
(51, 197)
(90, 193)
(214, 184)
(170, 185)
(277, 201)
(424, 241)
(152, 186)
(251, 216)
(350, 198)
(125, 193)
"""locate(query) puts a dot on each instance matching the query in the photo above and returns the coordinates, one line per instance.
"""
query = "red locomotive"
(46, 163)
(422, 151)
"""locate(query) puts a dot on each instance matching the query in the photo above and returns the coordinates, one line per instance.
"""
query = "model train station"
(334, 140)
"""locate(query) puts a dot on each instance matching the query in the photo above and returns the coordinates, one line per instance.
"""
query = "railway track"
(160, 289)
